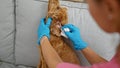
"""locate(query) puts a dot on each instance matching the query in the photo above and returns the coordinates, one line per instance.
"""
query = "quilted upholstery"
(7, 30)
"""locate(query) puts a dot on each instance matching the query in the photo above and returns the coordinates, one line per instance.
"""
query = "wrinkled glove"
(43, 29)
(74, 36)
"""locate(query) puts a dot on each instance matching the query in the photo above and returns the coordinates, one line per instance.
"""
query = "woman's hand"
(74, 36)
(43, 29)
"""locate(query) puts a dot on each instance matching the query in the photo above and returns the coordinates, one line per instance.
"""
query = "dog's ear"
(64, 16)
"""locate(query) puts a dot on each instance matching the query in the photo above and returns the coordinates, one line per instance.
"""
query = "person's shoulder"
(110, 64)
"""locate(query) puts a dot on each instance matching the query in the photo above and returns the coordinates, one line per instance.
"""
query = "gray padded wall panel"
(28, 14)
(6, 65)
(7, 30)
(21, 66)
(9, 65)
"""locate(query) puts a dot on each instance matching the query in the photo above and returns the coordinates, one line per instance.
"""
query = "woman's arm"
(50, 55)
(92, 57)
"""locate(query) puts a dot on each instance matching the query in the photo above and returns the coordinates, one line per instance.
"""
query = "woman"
(107, 14)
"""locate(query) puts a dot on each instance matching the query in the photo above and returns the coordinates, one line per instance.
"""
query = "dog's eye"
(58, 7)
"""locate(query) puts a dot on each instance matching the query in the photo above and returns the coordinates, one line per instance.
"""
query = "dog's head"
(59, 16)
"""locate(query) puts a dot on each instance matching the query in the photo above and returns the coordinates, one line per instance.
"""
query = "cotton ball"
(66, 29)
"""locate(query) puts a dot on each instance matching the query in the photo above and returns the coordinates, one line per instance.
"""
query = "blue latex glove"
(74, 36)
(43, 29)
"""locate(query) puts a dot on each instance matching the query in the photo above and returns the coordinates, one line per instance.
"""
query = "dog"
(59, 18)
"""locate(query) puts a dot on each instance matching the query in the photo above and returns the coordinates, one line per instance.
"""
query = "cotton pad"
(63, 33)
